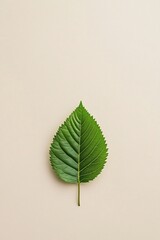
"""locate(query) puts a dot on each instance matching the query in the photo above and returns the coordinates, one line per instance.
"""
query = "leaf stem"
(78, 193)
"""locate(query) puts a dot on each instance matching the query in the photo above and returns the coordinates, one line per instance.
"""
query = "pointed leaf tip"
(80, 104)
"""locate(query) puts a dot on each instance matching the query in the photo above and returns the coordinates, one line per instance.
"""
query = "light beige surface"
(52, 55)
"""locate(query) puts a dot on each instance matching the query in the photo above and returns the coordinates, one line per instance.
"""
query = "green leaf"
(79, 150)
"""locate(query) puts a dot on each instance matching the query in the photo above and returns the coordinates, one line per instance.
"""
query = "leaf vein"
(63, 160)
(92, 161)
(68, 141)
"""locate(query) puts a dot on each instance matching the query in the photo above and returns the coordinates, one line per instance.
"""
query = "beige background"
(52, 55)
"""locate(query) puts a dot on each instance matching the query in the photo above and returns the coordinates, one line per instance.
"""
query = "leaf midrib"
(79, 150)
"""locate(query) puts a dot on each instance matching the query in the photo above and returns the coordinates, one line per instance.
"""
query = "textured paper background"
(52, 55)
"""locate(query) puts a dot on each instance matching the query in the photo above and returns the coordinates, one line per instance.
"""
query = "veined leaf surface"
(79, 150)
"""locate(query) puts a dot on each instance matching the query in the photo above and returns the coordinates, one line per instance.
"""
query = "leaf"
(79, 150)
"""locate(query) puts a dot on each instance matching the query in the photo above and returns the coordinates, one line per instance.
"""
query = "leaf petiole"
(78, 193)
